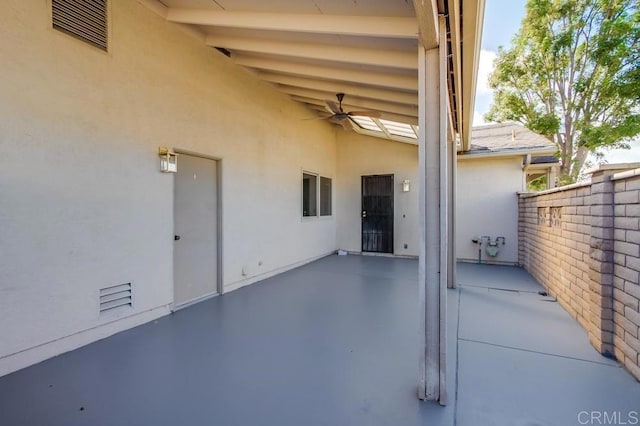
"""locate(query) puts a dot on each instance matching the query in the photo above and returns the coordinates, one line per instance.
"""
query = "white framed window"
(325, 196)
(317, 194)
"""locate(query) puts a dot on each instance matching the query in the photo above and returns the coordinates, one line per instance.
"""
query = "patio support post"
(552, 176)
(433, 198)
(452, 167)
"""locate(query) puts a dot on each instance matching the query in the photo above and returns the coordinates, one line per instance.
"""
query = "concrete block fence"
(582, 243)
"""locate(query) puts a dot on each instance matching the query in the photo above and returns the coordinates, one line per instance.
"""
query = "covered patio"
(334, 343)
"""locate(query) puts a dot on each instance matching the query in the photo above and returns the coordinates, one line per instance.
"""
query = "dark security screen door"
(377, 213)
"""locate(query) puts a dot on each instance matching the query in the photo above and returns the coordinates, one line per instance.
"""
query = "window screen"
(325, 196)
(309, 195)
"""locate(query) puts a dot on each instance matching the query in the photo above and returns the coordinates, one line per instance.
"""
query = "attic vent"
(115, 297)
(82, 19)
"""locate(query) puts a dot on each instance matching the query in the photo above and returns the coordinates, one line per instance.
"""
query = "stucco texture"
(360, 155)
(487, 205)
(84, 203)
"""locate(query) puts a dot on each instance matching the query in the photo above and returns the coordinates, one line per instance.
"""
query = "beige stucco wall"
(360, 155)
(83, 203)
(487, 204)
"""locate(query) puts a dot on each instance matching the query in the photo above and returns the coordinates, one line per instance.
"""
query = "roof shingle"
(506, 136)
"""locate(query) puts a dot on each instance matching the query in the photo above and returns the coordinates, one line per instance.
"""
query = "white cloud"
(477, 119)
(485, 67)
(624, 155)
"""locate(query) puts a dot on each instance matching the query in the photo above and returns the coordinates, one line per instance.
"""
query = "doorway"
(377, 213)
(196, 230)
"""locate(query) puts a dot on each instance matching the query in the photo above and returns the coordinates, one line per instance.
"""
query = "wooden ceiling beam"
(397, 96)
(400, 81)
(387, 115)
(355, 103)
(324, 52)
(365, 26)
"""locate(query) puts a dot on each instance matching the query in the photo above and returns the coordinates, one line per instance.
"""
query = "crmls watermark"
(608, 418)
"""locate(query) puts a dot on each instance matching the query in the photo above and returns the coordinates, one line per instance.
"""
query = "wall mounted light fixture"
(168, 160)
(406, 185)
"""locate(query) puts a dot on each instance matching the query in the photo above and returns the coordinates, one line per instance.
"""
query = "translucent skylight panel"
(404, 133)
(366, 123)
(399, 129)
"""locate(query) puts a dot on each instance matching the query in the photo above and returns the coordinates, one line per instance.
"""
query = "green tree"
(572, 74)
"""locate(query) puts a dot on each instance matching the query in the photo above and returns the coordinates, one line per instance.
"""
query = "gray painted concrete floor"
(332, 343)
(524, 361)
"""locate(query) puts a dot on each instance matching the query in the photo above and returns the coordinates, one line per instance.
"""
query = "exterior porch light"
(168, 160)
(406, 185)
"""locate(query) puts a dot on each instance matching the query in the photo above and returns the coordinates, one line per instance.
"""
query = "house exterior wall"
(84, 205)
(487, 204)
(582, 243)
(360, 155)
(487, 201)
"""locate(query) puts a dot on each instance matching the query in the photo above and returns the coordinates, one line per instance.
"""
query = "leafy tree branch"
(572, 73)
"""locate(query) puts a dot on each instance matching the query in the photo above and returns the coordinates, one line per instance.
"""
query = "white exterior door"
(195, 252)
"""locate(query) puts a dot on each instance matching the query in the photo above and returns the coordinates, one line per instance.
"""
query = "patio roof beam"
(399, 96)
(352, 102)
(325, 52)
(401, 81)
(387, 115)
(365, 26)
(427, 14)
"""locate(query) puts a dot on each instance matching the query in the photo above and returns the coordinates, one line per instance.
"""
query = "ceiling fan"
(341, 117)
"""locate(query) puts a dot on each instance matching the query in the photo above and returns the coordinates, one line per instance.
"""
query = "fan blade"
(346, 124)
(374, 114)
(333, 106)
(321, 117)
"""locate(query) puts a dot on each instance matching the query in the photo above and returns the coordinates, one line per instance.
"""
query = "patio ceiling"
(313, 49)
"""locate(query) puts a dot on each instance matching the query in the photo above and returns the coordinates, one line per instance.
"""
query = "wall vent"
(556, 217)
(82, 19)
(543, 217)
(115, 298)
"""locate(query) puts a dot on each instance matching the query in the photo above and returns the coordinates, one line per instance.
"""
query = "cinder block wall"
(556, 253)
(582, 243)
(626, 287)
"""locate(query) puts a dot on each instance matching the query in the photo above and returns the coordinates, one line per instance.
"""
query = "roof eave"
(472, 19)
(471, 155)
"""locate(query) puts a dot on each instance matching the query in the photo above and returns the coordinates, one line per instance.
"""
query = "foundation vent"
(115, 298)
(83, 19)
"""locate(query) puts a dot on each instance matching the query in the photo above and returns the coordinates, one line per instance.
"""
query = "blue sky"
(501, 22)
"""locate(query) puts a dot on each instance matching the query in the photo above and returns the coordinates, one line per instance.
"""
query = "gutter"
(472, 12)
(517, 152)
